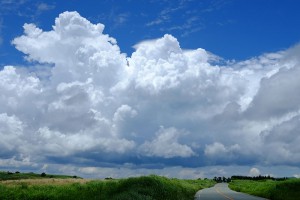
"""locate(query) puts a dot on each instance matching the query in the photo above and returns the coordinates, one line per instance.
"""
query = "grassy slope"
(275, 190)
(18, 176)
(146, 188)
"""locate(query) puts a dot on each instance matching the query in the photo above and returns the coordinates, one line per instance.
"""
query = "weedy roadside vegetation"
(17, 176)
(288, 189)
(137, 188)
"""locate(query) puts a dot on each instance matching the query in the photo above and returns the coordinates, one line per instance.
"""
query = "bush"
(285, 189)
(139, 188)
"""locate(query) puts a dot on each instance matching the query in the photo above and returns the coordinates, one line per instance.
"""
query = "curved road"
(221, 192)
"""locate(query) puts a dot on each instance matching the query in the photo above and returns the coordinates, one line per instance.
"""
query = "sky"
(181, 88)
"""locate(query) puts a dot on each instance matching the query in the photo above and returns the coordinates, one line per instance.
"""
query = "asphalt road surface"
(221, 192)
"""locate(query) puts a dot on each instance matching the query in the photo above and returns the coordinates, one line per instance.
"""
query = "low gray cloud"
(87, 106)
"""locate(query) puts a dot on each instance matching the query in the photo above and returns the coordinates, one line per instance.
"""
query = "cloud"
(271, 98)
(280, 142)
(41, 7)
(217, 153)
(11, 5)
(254, 172)
(120, 19)
(79, 47)
(296, 175)
(169, 18)
(11, 131)
(155, 22)
(88, 106)
(166, 145)
(218, 150)
(115, 17)
(67, 115)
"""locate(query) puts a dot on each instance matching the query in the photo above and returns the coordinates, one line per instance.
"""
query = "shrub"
(43, 174)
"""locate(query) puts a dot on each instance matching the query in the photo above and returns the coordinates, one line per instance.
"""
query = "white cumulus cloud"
(254, 172)
(87, 102)
(166, 145)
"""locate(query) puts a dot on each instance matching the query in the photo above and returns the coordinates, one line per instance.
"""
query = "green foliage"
(18, 176)
(276, 190)
(139, 188)
(153, 187)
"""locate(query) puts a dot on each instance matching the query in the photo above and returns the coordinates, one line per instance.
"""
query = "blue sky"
(180, 88)
(230, 29)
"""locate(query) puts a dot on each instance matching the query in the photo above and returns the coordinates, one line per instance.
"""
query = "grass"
(139, 188)
(43, 181)
(276, 190)
(18, 176)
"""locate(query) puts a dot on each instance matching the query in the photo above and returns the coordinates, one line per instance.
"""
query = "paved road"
(221, 192)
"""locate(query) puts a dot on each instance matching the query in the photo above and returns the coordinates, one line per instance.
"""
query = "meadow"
(137, 188)
(271, 189)
(18, 176)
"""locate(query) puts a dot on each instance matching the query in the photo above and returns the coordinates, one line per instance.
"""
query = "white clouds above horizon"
(254, 172)
(166, 145)
(160, 105)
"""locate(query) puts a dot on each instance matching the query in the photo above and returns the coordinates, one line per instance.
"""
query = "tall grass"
(275, 190)
(18, 176)
(139, 188)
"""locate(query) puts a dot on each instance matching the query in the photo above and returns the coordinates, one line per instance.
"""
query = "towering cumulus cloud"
(85, 105)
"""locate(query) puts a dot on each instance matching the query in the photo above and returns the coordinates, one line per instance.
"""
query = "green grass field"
(18, 176)
(276, 190)
(144, 188)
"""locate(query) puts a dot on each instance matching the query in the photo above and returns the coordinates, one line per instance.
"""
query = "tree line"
(255, 178)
